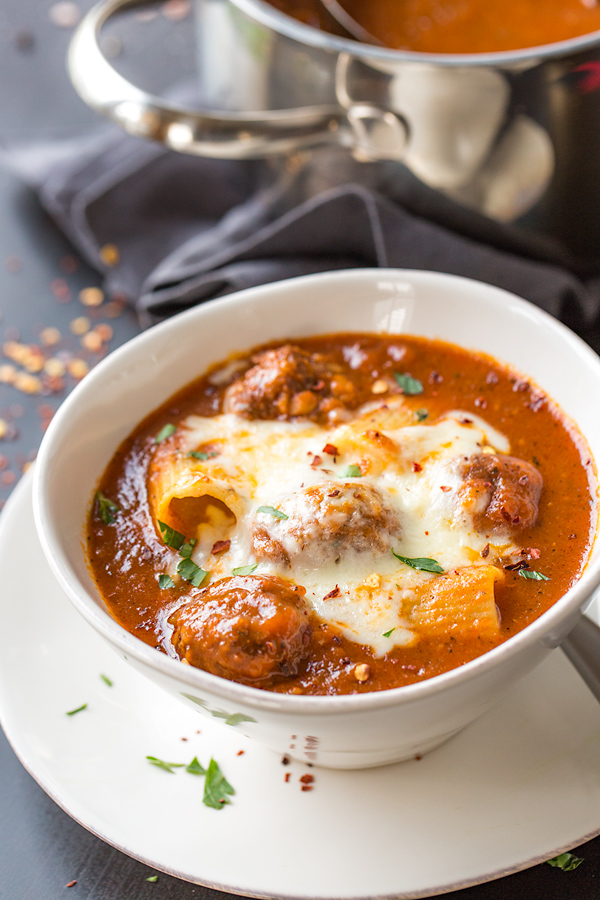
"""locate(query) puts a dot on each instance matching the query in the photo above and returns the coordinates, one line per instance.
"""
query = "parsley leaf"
(165, 582)
(351, 471)
(216, 787)
(162, 764)
(106, 508)
(421, 414)
(106, 680)
(185, 551)
(388, 633)
(271, 511)
(535, 576)
(165, 432)
(72, 712)
(191, 572)
(422, 563)
(171, 538)
(407, 384)
(565, 861)
(245, 570)
(195, 768)
(152, 878)
(198, 454)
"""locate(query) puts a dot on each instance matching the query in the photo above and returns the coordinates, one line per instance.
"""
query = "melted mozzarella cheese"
(368, 596)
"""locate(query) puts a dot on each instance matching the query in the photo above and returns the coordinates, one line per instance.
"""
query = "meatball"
(324, 522)
(503, 492)
(288, 383)
(253, 629)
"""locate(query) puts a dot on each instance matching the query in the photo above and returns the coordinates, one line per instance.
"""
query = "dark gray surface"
(41, 848)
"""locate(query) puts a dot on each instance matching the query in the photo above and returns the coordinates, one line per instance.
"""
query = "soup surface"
(458, 26)
(345, 513)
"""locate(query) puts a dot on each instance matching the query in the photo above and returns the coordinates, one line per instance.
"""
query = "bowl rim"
(261, 699)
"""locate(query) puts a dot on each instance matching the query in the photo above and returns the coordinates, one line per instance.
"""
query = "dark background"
(41, 848)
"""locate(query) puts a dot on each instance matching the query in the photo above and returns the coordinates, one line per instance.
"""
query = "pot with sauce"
(459, 102)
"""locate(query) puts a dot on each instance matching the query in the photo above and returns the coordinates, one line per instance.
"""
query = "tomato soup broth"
(443, 504)
(459, 26)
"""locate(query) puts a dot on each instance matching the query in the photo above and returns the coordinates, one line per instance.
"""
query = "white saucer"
(519, 786)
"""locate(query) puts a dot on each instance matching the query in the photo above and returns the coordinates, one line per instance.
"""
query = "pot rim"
(280, 22)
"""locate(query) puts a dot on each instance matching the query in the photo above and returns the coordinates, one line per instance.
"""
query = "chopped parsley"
(216, 787)
(165, 432)
(189, 571)
(152, 878)
(171, 538)
(185, 551)
(195, 768)
(106, 680)
(106, 508)
(388, 633)
(72, 712)
(271, 511)
(565, 861)
(245, 570)
(422, 563)
(165, 582)
(531, 573)
(421, 414)
(352, 471)
(407, 384)
(162, 764)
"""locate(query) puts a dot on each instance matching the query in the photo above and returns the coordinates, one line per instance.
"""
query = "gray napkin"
(189, 229)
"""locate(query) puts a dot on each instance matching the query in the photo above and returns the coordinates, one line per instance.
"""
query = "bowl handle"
(363, 128)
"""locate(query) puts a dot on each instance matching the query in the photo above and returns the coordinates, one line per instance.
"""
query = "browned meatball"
(289, 383)
(324, 522)
(254, 629)
(502, 491)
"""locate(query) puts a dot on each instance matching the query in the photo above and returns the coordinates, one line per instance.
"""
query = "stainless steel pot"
(512, 137)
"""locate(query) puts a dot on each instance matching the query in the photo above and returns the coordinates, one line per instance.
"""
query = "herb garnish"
(565, 861)
(162, 764)
(422, 563)
(245, 570)
(165, 582)
(407, 384)
(171, 538)
(189, 571)
(195, 768)
(106, 508)
(216, 787)
(185, 551)
(388, 633)
(271, 511)
(106, 680)
(152, 878)
(165, 432)
(201, 454)
(79, 708)
(531, 573)
(421, 414)
(352, 471)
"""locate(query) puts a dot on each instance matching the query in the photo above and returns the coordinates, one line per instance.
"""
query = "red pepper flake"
(537, 401)
(520, 385)
(316, 461)
(306, 787)
(240, 752)
(480, 402)
(287, 777)
(333, 494)
(184, 739)
(465, 421)
(334, 593)
(285, 760)
(307, 779)
(516, 567)
(416, 467)
(435, 378)
(220, 547)
(70, 884)
(331, 450)
(445, 488)
(533, 553)
(485, 551)
(572, 537)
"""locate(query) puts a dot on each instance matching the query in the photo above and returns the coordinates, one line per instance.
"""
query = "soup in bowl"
(343, 513)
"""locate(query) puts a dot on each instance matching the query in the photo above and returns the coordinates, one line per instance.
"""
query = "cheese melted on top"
(269, 463)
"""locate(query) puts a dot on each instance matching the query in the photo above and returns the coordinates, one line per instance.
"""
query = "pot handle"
(369, 132)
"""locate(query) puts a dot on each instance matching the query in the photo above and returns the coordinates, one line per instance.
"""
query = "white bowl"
(343, 731)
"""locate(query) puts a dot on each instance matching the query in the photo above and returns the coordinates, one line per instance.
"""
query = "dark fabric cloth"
(191, 229)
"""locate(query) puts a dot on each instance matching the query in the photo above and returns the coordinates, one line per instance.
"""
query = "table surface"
(41, 278)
